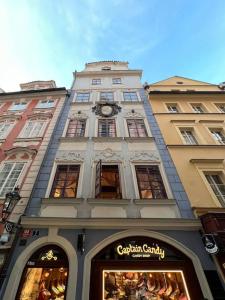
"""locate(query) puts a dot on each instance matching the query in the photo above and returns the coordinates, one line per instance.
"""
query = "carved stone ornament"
(144, 156)
(108, 155)
(66, 155)
(134, 114)
(77, 115)
(106, 109)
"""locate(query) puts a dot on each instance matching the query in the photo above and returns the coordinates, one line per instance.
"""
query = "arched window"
(45, 275)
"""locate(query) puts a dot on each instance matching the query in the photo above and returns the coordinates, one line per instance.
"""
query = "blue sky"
(49, 39)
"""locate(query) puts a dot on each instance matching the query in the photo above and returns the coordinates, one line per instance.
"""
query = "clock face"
(106, 110)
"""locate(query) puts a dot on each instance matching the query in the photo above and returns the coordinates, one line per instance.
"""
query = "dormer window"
(106, 68)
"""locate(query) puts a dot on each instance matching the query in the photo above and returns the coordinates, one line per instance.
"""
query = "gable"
(176, 80)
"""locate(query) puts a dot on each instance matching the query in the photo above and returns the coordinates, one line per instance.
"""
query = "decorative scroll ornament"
(144, 156)
(106, 109)
(78, 115)
(108, 155)
(64, 155)
(134, 114)
(49, 256)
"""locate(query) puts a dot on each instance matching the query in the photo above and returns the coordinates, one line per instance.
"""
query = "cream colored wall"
(191, 174)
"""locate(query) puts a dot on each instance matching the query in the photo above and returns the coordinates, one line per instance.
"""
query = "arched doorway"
(139, 267)
(45, 275)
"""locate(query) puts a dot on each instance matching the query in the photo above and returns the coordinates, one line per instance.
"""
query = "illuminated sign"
(49, 256)
(141, 251)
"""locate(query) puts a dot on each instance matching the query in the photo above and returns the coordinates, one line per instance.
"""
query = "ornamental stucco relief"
(144, 156)
(108, 155)
(67, 155)
(76, 115)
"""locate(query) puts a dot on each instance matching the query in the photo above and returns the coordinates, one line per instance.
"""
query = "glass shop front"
(45, 275)
(142, 268)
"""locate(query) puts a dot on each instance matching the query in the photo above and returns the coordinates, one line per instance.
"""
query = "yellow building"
(191, 117)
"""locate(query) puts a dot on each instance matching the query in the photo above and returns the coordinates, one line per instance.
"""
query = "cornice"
(112, 223)
(187, 92)
(108, 73)
(194, 146)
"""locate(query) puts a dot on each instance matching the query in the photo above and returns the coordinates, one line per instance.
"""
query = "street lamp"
(9, 203)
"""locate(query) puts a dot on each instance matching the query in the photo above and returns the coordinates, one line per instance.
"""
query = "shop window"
(76, 128)
(130, 96)
(198, 109)
(217, 185)
(218, 136)
(19, 105)
(106, 128)
(116, 81)
(83, 97)
(106, 96)
(5, 128)
(136, 128)
(188, 136)
(45, 275)
(65, 181)
(107, 182)
(9, 176)
(172, 108)
(96, 81)
(47, 103)
(33, 128)
(150, 182)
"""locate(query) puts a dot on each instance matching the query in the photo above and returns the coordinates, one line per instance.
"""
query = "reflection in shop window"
(144, 285)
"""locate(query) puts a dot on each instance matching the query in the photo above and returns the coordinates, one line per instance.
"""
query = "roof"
(180, 77)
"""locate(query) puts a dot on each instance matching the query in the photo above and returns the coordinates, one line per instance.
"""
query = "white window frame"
(191, 129)
(22, 104)
(220, 141)
(171, 105)
(6, 132)
(107, 99)
(221, 174)
(222, 111)
(46, 104)
(18, 180)
(131, 92)
(41, 132)
(96, 81)
(82, 93)
(116, 80)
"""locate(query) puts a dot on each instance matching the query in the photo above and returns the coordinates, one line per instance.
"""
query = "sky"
(50, 39)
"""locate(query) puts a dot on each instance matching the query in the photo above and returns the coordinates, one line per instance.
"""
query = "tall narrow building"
(108, 217)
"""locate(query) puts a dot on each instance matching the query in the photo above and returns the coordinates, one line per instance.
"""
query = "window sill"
(82, 103)
(109, 201)
(73, 139)
(131, 102)
(107, 139)
(150, 202)
(61, 201)
(33, 139)
(139, 139)
(2, 140)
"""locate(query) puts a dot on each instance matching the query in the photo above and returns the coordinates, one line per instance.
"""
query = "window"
(221, 107)
(107, 182)
(106, 68)
(106, 96)
(150, 182)
(83, 97)
(116, 81)
(130, 96)
(96, 81)
(136, 128)
(172, 108)
(20, 105)
(47, 103)
(107, 128)
(65, 181)
(218, 136)
(5, 127)
(217, 185)
(9, 176)
(76, 128)
(197, 108)
(33, 129)
(188, 136)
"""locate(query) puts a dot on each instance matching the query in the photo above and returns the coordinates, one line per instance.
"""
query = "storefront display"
(141, 268)
(45, 276)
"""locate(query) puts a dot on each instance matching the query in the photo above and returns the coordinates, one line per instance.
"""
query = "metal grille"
(136, 128)
(107, 128)
(150, 182)
(66, 181)
(76, 128)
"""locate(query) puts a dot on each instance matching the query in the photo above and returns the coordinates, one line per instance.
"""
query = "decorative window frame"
(216, 104)
(166, 104)
(137, 117)
(118, 131)
(48, 98)
(191, 104)
(76, 116)
(18, 101)
(53, 172)
(41, 134)
(191, 128)
(130, 91)
(12, 124)
(215, 127)
(162, 173)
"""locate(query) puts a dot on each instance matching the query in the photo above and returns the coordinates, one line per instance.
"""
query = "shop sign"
(49, 256)
(26, 233)
(141, 251)
(210, 243)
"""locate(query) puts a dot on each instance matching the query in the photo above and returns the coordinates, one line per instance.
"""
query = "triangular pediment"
(178, 80)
